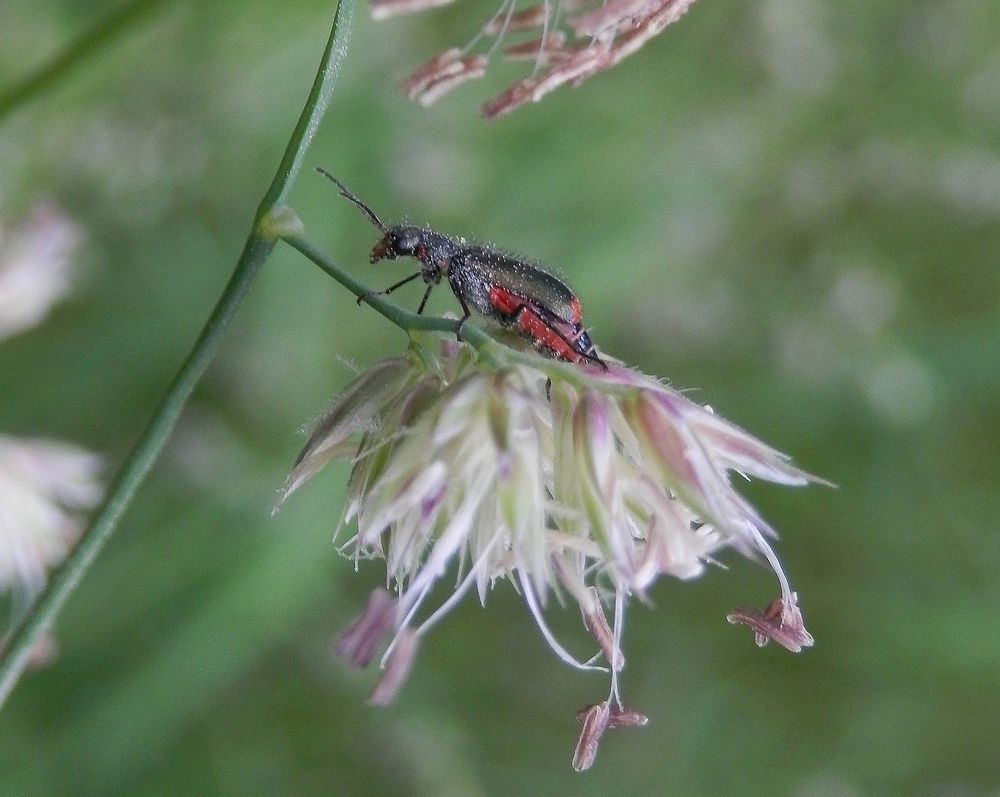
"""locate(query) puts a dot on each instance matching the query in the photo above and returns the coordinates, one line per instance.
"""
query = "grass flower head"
(590, 487)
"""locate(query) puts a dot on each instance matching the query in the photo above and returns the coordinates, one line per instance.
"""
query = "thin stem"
(137, 464)
(75, 52)
(312, 113)
(403, 319)
(133, 470)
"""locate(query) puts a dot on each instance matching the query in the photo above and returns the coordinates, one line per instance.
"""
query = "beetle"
(517, 294)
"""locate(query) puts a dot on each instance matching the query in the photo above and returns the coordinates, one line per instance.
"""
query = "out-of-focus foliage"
(792, 206)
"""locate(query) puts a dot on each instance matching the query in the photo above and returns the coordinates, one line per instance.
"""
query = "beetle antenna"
(348, 195)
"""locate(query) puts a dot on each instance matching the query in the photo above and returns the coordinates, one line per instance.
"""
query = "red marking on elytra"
(575, 311)
(532, 325)
(503, 300)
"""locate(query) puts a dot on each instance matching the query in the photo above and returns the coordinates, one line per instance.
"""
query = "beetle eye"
(406, 243)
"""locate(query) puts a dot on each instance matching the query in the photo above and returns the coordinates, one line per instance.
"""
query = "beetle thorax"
(434, 250)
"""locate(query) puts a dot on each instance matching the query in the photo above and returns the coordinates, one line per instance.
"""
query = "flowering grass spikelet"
(569, 42)
(565, 480)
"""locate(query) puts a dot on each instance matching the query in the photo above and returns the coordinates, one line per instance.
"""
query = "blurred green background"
(793, 207)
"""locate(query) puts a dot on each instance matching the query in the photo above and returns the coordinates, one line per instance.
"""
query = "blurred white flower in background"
(45, 485)
(587, 484)
(35, 267)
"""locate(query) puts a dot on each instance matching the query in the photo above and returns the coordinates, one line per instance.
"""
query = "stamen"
(780, 621)
(598, 626)
(595, 721)
(358, 643)
(396, 670)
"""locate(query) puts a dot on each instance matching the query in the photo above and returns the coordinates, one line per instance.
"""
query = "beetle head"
(402, 240)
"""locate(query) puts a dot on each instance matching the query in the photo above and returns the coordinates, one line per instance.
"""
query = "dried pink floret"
(431, 81)
(509, 99)
(577, 63)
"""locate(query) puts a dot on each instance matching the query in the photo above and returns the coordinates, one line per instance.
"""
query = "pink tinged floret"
(521, 496)
(355, 410)
(594, 453)
(45, 485)
(684, 462)
(669, 451)
(450, 541)
(36, 267)
(431, 502)
(672, 547)
(734, 449)
(397, 503)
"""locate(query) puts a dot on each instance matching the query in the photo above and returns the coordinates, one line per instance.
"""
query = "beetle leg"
(427, 293)
(464, 318)
(391, 288)
(591, 353)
